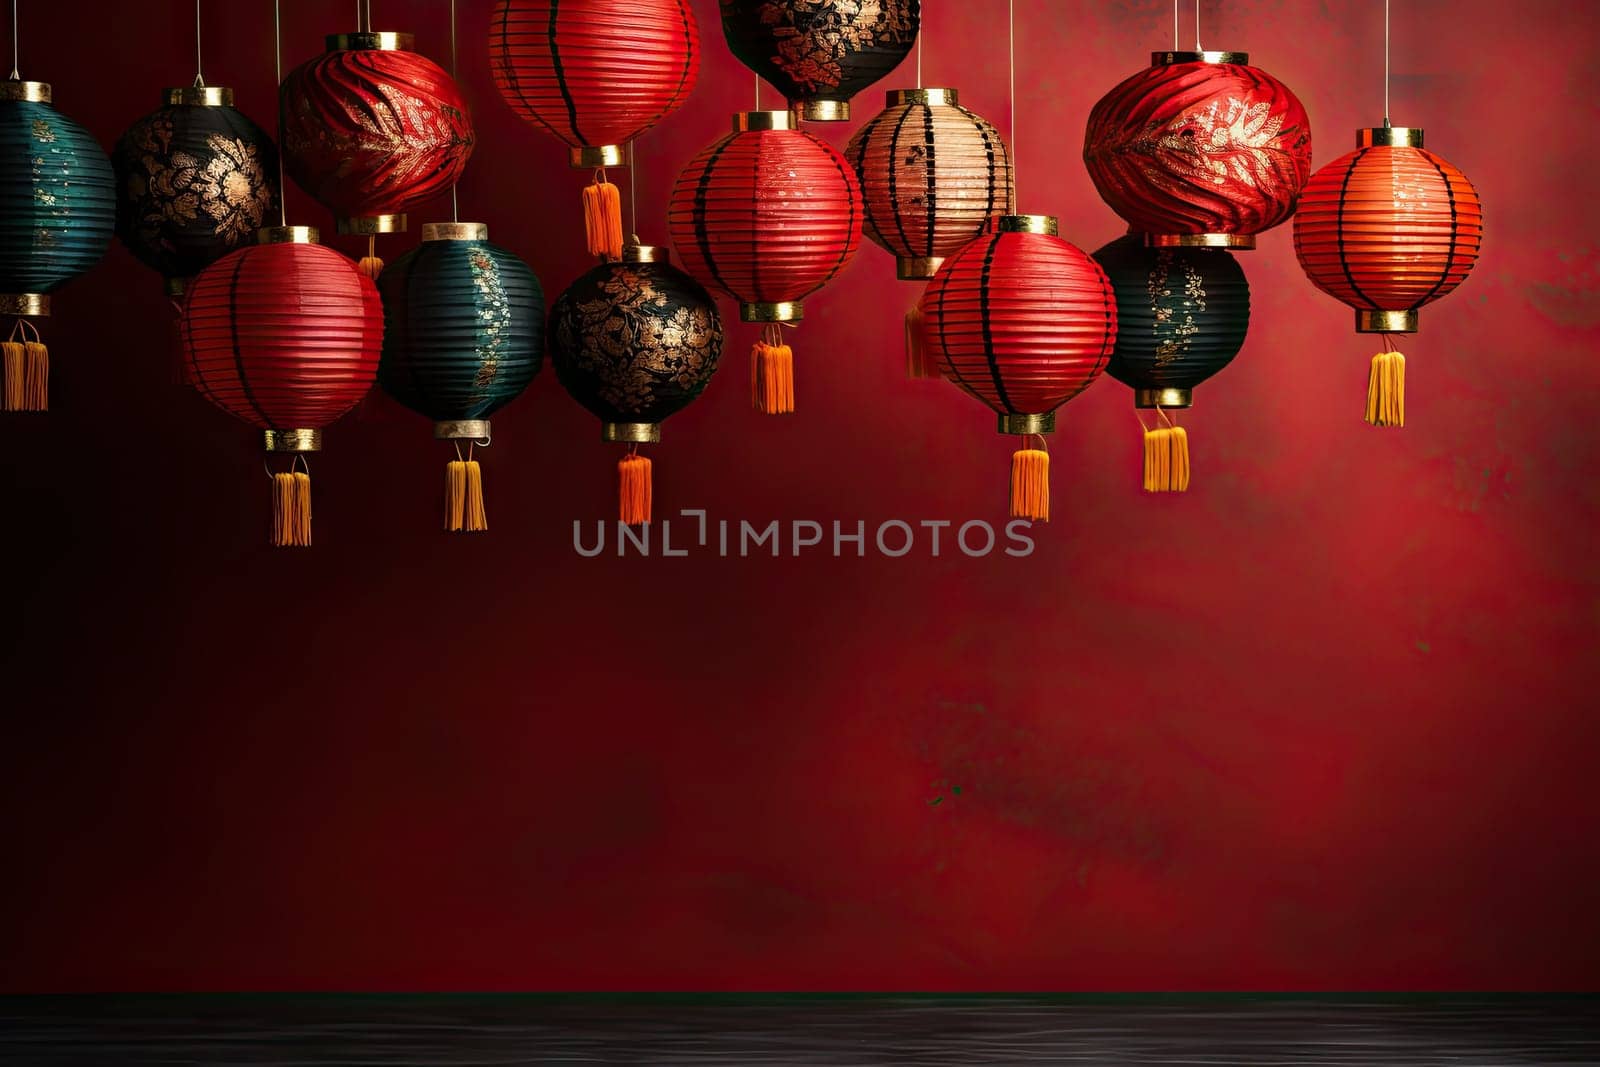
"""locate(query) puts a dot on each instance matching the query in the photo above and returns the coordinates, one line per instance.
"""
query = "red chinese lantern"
(1386, 229)
(597, 74)
(371, 128)
(1201, 149)
(285, 335)
(1024, 321)
(767, 215)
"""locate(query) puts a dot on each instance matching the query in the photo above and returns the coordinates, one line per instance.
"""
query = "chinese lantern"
(195, 180)
(635, 341)
(286, 335)
(463, 336)
(370, 129)
(820, 53)
(1201, 149)
(1386, 229)
(1023, 321)
(596, 74)
(57, 213)
(767, 215)
(1182, 314)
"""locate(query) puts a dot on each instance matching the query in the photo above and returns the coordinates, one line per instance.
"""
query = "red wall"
(1324, 722)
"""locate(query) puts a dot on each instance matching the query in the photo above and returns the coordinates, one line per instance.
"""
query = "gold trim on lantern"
(455, 231)
(36, 305)
(1239, 242)
(461, 430)
(369, 41)
(1389, 137)
(1167, 59)
(591, 156)
(1163, 398)
(175, 287)
(288, 235)
(901, 97)
(1045, 224)
(786, 311)
(33, 92)
(198, 95)
(1023, 425)
(370, 225)
(1386, 321)
(916, 268)
(292, 440)
(822, 110)
(632, 433)
(745, 121)
(637, 253)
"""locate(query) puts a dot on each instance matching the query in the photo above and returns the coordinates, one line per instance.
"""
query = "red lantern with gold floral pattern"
(1201, 149)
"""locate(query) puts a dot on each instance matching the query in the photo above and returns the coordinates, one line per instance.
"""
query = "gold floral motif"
(494, 316)
(42, 132)
(832, 30)
(1222, 140)
(632, 343)
(1178, 319)
(230, 188)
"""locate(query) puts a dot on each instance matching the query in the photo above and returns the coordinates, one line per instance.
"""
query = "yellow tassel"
(291, 509)
(371, 266)
(477, 517)
(1030, 484)
(1386, 390)
(1166, 460)
(602, 219)
(36, 390)
(918, 363)
(772, 378)
(634, 489)
(455, 495)
(15, 357)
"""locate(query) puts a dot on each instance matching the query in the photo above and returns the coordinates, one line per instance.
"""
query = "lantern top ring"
(455, 231)
(288, 235)
(1167, 59)
(198, 95)
(1045, 224)
(36, 92)
(637, 253)
(367, 41)
(745, 121)
(1389, 137)
(900, 97)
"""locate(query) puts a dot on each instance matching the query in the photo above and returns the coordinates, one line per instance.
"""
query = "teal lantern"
(463, 336)
(58, 209)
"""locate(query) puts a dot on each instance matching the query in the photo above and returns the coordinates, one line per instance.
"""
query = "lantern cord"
(16, 74)
(920, 31)
(633, 186)
(758, 92)
(455, 206)
(1386, 64)
(1174, 25)
(277, 76)
(1011, 62)
(1198, 47)
(199, 78)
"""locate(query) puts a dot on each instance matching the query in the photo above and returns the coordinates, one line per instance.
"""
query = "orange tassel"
(463, 497)
(1030, 484)
(1166, 460)
(291, 510)
(602, 219)
(370, 264)
(635, 487)
(1386, 390)
(15, 357)
(772, 379)
(918, 362)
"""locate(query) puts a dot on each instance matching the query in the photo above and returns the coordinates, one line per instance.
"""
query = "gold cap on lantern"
(292, 440)
(34, 92)
(901, 97)
(369, 41)
(638, 433)
(786, 311)
(462, 430)
(1163, 398)
(1236, 241)
(638, 253)
(591, 156)
(288, 235)
(822, 110)
(198, 95)
(31, 305)
(370, 225)
(746, 121)
(1167, 59)
(455, 231)
(1023, 425)
(1386, 321)
(1389, 137)
(1045, 224)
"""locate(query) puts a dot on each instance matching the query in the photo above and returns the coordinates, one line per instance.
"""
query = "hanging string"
(1198, 47)
(923, 28)
(1174, 25)
(758, 92)
(199, 78)
(633, 185)
(455, 207)
(277, 77)
(16, 75)
(1385, 64)
(1011, 60)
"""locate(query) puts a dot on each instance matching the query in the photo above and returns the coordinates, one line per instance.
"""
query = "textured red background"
(1327, 721)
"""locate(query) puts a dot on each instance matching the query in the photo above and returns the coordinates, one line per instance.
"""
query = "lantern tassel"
(463, 497)
(772, 375)
(1166, 460)
(26, 384)
(370, 264)
(1030, 484)
(635, 488)
(1386, 390)
(602, 218)
(918, 362)
(291, 509)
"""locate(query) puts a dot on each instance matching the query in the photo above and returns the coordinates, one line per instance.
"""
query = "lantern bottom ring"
(176, 287)
(1163, 398)
(822, 110)
(640, 433)
(1238, 241)
(783, 311)
(591, 156)
(292, 440)
(1023, 425)
(367, 225)
(916, 268)
(34, 304)
(1386, 321)
(462, 430)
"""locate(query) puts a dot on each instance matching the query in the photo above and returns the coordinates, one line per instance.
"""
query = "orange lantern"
(1386, 229)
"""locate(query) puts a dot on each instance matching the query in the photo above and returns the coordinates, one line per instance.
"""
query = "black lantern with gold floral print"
(635, 341)
(195, 180)
(820, 53)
